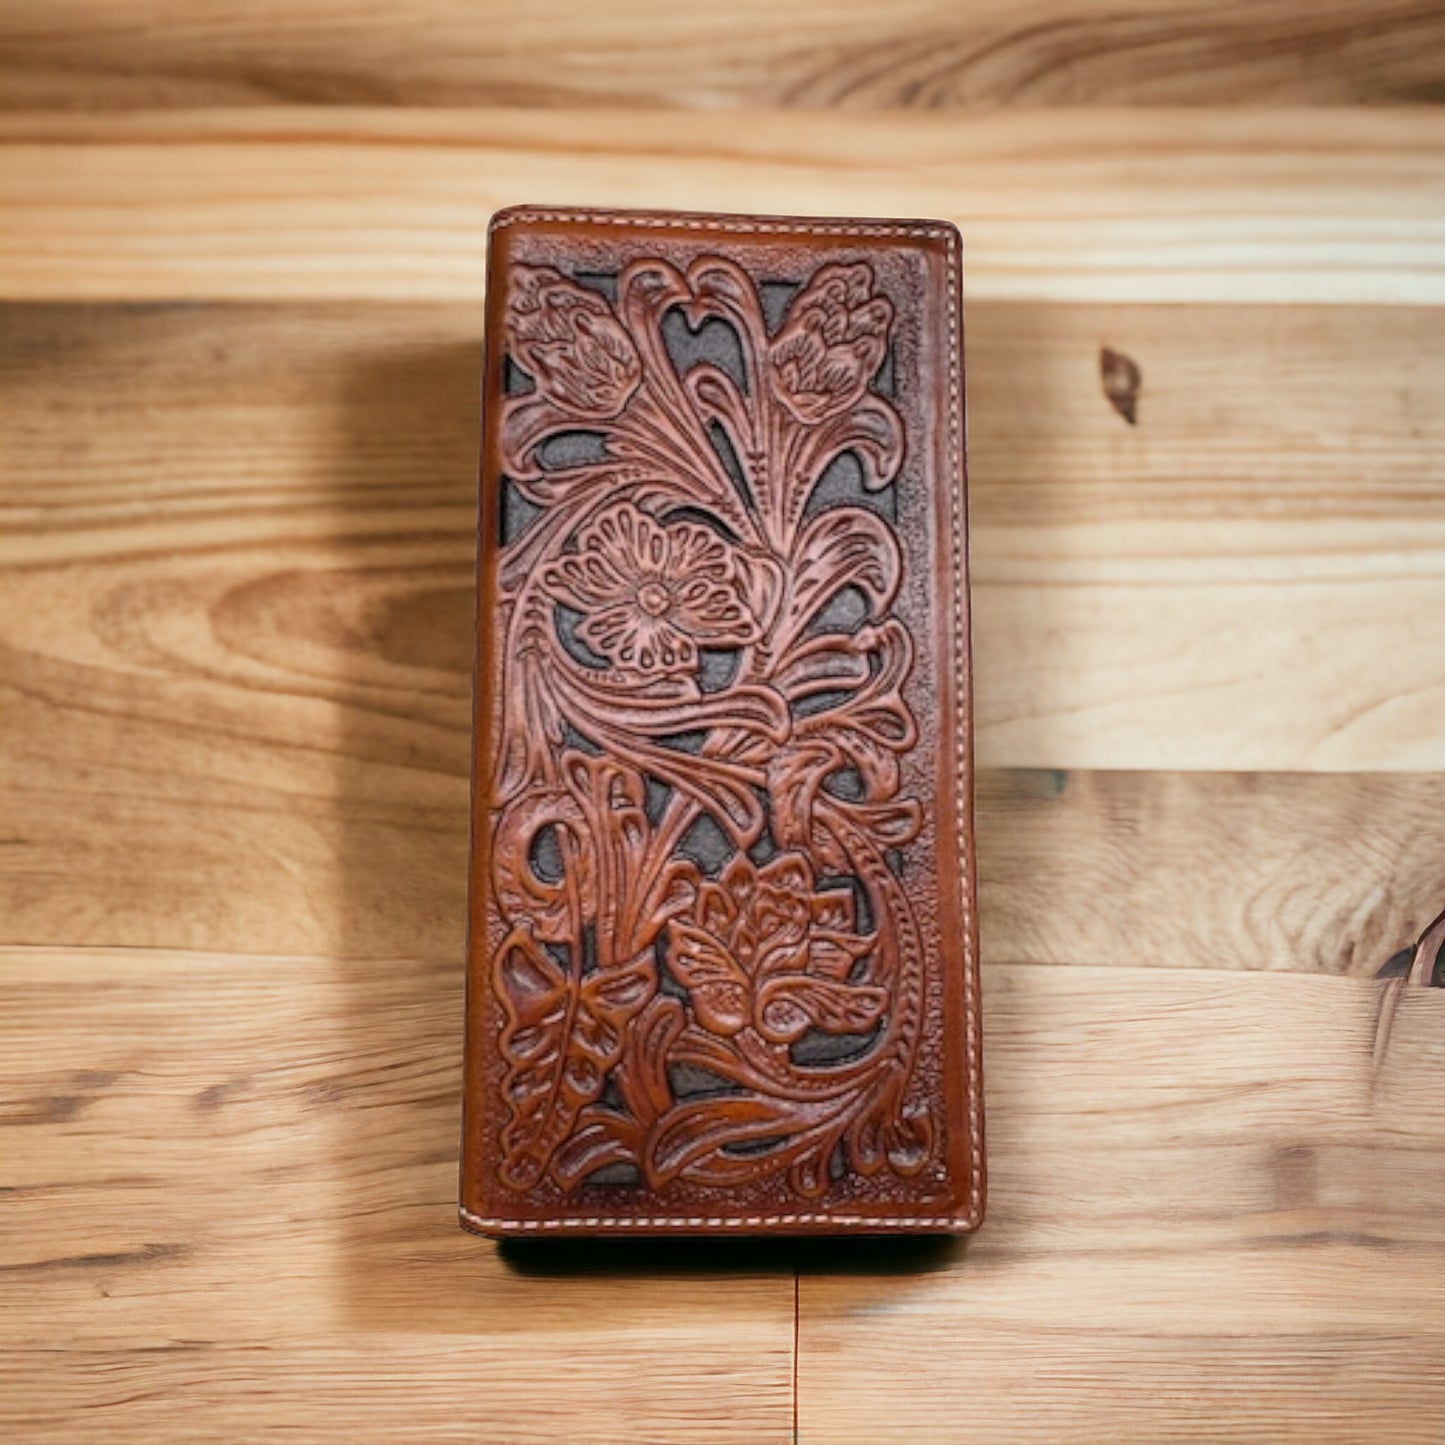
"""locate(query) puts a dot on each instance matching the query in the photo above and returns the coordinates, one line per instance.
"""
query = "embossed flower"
(764, 949)
(832, 342)
(651, 595)
(571, 344)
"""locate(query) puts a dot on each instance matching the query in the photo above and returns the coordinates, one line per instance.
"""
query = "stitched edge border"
(691, 221)
(963, 730)
(878, 1223)
(683, 221)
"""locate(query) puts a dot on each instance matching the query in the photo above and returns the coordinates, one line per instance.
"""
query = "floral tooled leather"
(650, 595)
(708, 975)
(762, 950)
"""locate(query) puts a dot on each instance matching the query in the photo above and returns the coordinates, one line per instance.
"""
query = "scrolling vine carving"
(710, 969)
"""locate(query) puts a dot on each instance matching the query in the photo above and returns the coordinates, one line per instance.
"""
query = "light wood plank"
(1325, 872)
(924, 53)
(1210, 1218)
(1247, 578)
(1271, 441)
(302, 203)
(1157, 675)
(231, 1186)
(235, 629)
(408, 1389)
(229, 1197)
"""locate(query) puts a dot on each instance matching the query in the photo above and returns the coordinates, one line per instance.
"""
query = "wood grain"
(230, 1190)
(1210, 1218)
(1324, 423)
(1330, 873)
(1228, 583)
(311, 544)
(1086, 204)
(239, 709)
(929, 54)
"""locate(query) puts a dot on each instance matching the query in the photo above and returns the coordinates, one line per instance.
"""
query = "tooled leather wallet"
(722, 967)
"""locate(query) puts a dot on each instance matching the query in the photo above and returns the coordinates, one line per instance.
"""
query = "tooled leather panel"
(710, 975)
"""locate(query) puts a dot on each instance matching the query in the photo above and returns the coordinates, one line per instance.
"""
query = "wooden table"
(241, 257)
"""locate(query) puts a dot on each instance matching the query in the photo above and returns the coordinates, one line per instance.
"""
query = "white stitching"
(702, 1221)
(970, 1220)
(683, 222)
(962, 727)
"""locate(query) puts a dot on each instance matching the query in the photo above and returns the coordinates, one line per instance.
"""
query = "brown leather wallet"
(722, 969)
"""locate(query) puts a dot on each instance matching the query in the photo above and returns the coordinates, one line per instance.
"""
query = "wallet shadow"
(834, 1255)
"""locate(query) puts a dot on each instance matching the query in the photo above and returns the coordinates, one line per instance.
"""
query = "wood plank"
(249, 540)
(1327, 872)
(235, 629)
(532, 1390)
(923, 53)
(1325, 423)
(1322, 422)
(1067, 205)
(1295, 675)
(1210, 1217)
(257, 1161)
(229, 1190)
(1245, 578)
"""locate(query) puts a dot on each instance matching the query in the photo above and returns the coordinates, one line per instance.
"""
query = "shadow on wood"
(860, 1255)
(402, 611)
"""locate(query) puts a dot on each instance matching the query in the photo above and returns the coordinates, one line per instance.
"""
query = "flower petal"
(719, 989)
(612, 631)
(568, 340)
(585, 580)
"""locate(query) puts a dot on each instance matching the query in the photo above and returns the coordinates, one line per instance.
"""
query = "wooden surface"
(1080, 204)
(240, 280)
(928, 54)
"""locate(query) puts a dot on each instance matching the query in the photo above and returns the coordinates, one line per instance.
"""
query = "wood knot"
(1122, 379)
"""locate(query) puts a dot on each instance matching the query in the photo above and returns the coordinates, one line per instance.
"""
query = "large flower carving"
(832, 343)
(651, 595)
(571, 344)
(764, 950)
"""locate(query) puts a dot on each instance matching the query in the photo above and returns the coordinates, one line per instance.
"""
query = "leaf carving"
(789, 1006)
(524, 896)
(694, 1131)
(841, 547)
(560, 1038)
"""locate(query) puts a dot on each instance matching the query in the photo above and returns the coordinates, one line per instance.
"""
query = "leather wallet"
(722, 969)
